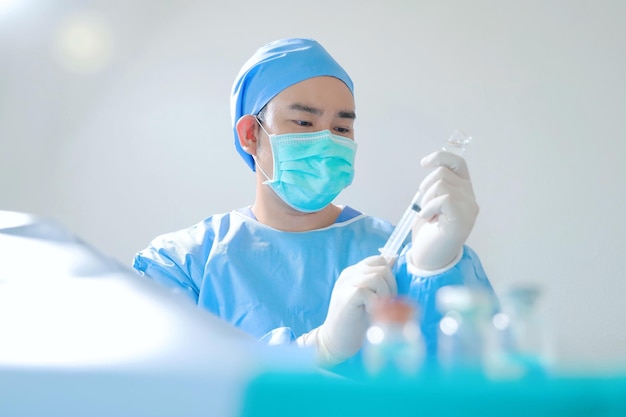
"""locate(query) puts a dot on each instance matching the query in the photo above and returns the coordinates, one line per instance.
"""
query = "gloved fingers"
(418, 224)
(359, 282)
(363, 266)
(446, 210)
(459, 192)
(452, 161)
(370, 300)
(367, 289)
(448, 176)
(380, 282)
(374, 260)
(367, 273)
(376, 267)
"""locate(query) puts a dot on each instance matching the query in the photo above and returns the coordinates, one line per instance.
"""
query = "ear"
(247, 130)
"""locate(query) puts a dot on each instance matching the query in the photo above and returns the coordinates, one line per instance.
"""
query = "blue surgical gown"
(261, 279)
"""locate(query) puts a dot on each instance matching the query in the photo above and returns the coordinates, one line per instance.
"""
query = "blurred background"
(114, 120)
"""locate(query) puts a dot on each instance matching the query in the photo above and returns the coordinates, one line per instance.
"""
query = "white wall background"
(135, 140)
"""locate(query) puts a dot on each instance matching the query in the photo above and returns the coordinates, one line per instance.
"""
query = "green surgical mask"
(310, 169)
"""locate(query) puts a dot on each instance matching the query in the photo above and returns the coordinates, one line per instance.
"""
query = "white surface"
(113, 345)
(141, 143)
(81, 335)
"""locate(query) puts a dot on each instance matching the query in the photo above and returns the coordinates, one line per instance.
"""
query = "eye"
(303, 123)
(343, 130)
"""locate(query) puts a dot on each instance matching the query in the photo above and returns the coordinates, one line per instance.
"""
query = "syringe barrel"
(402, 229)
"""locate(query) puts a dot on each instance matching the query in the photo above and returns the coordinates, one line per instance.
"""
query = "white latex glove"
(356, 289)
(448, 214)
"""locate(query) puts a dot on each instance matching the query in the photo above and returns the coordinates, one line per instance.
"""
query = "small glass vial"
(394, 343)
(465, 335)
(523, 343)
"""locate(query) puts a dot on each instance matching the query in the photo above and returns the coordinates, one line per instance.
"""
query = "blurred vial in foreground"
(394, 343)
(465, 337)
(522, 337)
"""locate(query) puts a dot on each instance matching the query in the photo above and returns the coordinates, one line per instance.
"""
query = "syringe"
(457, 143)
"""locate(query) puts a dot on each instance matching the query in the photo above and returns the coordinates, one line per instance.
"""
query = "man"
(294, 266)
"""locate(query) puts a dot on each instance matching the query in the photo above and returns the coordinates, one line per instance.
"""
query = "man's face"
(319, 103)
(312, 105)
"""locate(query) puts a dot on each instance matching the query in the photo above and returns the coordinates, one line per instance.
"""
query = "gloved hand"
(448, 214)
(357, 288)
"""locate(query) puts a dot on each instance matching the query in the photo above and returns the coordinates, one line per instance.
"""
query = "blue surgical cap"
(274, 67)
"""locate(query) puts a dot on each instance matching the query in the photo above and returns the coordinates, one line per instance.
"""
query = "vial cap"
(393, 310)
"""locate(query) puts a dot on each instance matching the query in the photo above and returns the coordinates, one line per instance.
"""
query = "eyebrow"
(344, 114)
(347, 115)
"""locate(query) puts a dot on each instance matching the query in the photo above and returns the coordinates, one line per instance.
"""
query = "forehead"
(325, 93)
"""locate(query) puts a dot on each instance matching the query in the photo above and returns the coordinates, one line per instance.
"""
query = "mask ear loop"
(254, 156)
(260, 124)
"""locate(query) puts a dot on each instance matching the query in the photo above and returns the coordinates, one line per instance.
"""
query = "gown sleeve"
(167, 260)
(422, 290)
